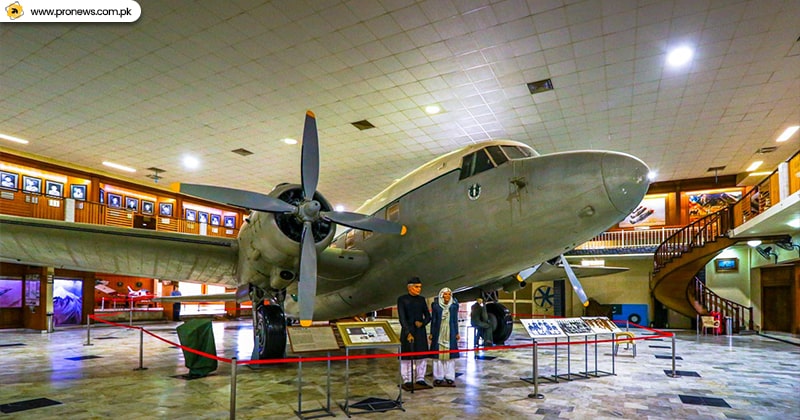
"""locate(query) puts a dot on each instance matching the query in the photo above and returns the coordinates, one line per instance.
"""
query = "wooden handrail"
(694, 235)
(713, 302)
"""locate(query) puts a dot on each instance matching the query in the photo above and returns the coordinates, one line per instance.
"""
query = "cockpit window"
(475, 163)
(497, 155)
(515, 152)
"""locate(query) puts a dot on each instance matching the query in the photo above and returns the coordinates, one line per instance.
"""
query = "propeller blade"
(310, 157)
(364, 222)
(239, 198)
(524, 274)
(576, 284)
(307, 288)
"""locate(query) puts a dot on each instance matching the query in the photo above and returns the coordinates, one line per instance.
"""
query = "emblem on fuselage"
(474, 191)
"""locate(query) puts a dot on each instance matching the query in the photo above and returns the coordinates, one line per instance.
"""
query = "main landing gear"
(269, 329)
(501, 320)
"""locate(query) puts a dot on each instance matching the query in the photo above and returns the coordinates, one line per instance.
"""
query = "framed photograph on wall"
(31, 184)
(165, 209)
(102, 196)
(115, 200)
(202, 217)
(132, 203)
(77, 192)
(729, 265)
(215, 220)
(8, 180)
(191, 215)
(230, 221)
(54, 189)
(148, 207)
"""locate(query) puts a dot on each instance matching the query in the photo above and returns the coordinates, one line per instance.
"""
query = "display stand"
(539, 329)
(309, 340)
(601, 325)
(368, 335)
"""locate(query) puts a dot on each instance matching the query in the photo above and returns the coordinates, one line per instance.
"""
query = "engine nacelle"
(271, 242)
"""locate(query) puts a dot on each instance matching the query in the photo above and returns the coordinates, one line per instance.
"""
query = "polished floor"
(740, 377)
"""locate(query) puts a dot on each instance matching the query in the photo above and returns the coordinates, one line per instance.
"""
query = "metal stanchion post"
(130, 310)
(233, 388)
(535, 393)
(141, 350)
(88, 332)
(673, 356)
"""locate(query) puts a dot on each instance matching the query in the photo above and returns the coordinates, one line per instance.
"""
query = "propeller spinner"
(307, 212)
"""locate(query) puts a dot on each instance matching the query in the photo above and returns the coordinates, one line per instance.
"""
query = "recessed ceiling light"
(432, 109)
(679, 56)
(794, 223)
(789, 132)
(652, 175)
(118, 166)
(540, 86)
(14, 139)
(190, 162)
(753, 166)
(754, 243)
(339, 207)
(288, 140)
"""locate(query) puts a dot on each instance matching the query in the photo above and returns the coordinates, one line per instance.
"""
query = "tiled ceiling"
(204, 78)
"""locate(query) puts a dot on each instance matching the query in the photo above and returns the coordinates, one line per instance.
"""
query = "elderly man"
(480, 321)
(414, 316)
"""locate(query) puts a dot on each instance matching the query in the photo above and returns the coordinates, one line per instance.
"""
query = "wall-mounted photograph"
(191, 215)
(102, 196)
(132, 204)
(729, 265)
(78, 192)
(8, 180)
(114, 200)
(165, 209)
(31, 184)
(230, 221)
(215, 220)
(148, 207)
(54, 189)
(202, 217)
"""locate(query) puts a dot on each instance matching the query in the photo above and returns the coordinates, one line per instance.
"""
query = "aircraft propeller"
(573, 279)
(307, 212)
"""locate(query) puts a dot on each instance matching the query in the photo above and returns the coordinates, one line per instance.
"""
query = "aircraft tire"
(502, 322)
(269, 332)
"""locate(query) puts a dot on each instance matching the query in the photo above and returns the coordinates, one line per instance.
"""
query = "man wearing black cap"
(414, 316)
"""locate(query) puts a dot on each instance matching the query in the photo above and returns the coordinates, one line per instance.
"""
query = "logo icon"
(14, 10)
(474, 191)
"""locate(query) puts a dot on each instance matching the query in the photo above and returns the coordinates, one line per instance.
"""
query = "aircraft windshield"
(514, 152)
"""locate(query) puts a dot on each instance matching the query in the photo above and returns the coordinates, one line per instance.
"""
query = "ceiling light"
(652, 175)
(432, 109)
(118, 166)
(540, 86)
(288, 140)
(759, 173)
(679, 56)
(794, 223)
(754, 243)
(14, 139)
(339, 207)
(190, 162)
(788, 133)
(753, 166)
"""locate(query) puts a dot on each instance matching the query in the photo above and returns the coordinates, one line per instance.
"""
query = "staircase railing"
(739, 313)
(694, 235)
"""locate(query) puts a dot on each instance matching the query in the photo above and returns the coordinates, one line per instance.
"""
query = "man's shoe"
(422, 385)
(438, 382)
(408, 386)
(449, 382)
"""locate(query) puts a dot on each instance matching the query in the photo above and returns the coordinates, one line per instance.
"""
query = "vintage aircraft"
(470, 220)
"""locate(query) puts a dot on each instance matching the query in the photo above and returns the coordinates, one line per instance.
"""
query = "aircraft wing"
(218, 297)
(115, 250)
(555, 272)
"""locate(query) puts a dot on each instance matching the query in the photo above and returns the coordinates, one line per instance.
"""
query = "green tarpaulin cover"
(197, 334)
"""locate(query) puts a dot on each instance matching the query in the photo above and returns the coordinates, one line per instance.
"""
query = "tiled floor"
(757, 377)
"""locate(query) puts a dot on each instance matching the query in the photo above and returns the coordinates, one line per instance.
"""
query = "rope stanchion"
(88, 331)
(141, 350)
(232, 409)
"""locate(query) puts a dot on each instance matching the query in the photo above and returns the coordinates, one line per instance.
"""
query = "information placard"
(308, 339)
(542, 328)
(372, 333)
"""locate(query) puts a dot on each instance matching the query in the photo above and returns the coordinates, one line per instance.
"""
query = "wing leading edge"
(114, 250)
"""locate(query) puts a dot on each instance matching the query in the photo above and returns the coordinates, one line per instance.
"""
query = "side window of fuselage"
(393, 212)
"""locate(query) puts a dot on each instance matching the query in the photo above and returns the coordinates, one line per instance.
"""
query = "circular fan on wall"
(543, 297)
(119, 284)
(138, 284)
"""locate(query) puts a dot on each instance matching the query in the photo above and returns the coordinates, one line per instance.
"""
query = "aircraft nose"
(625, 180)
